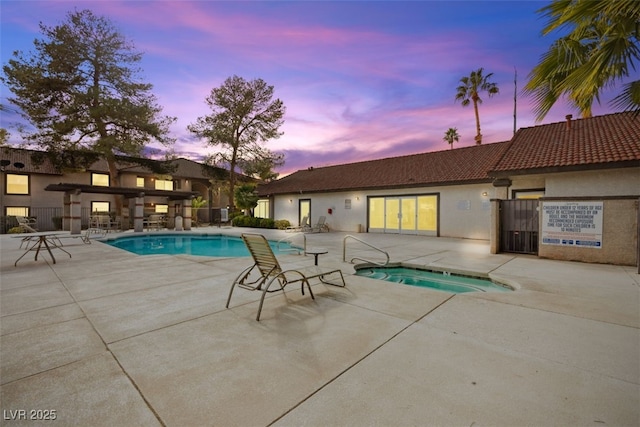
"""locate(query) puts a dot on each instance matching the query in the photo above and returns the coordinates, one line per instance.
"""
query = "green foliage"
(282, 224)
(600, 49)
(261, 165)
(469, 92)
(198, 202)
(4, 136)
(81, 92)
(451, 136)
(246, 196)
(243, 117)
(16, 230)
(253, 222)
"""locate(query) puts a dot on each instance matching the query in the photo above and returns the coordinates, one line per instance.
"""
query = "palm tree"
(451, 135)
(470, 90)
(197, 204)
(600, 49)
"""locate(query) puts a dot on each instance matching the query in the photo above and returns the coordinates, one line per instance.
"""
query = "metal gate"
(519, 226)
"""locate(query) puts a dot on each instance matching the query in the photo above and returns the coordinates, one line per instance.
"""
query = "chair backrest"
(262, 254)
(321, 221)
(23, 223)
(304, 221)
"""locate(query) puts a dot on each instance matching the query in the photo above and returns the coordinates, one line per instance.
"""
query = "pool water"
(430, 279)
(190, 244)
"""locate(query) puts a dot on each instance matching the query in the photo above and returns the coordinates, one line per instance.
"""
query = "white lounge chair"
(267, 270)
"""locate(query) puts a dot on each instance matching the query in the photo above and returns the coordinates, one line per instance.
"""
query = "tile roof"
(611, 140)
(462, 165)
(600, 140)
(24, 156)
(185, 168)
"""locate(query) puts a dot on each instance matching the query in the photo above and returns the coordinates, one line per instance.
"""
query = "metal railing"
(344, 251)
(289, 240)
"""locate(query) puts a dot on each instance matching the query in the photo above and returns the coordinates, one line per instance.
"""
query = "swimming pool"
(442, 281)
(215, 245)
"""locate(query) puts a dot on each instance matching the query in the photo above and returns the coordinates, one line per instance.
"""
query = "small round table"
(315, 252)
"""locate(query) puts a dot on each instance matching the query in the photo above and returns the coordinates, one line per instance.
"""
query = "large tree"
(81, 92)
(469, 92)
(262, 165)
(244, 116)
(600, 49)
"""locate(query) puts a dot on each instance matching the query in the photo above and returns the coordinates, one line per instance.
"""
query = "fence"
(47, 219)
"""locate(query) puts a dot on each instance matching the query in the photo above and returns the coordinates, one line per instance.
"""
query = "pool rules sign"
(576, 224)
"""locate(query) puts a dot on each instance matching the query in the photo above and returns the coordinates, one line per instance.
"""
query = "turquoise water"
(189, 244)
(429, 279)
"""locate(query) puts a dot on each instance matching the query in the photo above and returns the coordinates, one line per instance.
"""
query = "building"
(586, 172)
(33, 186)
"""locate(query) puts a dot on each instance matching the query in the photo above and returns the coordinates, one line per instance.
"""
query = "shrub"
(15, 230)
(282, 224)
(57, 222)
(249, 221)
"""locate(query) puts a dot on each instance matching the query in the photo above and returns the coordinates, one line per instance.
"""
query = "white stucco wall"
(464, 211)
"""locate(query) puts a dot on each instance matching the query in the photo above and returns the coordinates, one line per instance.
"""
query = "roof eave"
(487, 180)
(569, 168)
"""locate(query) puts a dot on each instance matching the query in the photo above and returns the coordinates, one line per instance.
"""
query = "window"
(100, 179)
(100, 206)
(140, 181)
(528, 194)
(162, 208)
(164, 184)
(17, 211)
(262, 209)
(17, 184)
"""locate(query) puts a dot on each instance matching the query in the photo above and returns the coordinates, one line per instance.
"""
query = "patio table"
(37, 240)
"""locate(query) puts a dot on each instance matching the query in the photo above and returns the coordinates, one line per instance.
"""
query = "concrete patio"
(109, 338)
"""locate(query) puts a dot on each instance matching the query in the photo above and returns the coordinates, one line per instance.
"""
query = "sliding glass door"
(404, 214)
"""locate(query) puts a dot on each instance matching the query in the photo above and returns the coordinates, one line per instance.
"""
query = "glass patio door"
(304, 211)
(404, 214)
(400, 215)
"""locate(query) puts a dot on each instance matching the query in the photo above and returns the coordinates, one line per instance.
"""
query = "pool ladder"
(293, 248)
(344, 251)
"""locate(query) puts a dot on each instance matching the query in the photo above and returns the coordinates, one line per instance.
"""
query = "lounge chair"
(320, 225)
(304, 226)
(267, 270)
(27, 225)
(155, 222)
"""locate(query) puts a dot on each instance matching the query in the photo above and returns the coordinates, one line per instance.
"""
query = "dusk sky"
(360, 80)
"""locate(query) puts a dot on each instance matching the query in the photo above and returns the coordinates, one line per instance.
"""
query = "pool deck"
(109, 338)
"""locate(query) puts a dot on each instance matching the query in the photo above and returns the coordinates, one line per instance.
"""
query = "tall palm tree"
(451, 135)
(602, 47)
(469, 91)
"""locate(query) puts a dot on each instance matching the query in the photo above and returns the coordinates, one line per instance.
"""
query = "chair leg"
(309, 287)
(240, 279)
(264, 293)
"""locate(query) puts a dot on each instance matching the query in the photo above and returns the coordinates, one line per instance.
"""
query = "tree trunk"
(478, 137)
(114, 176)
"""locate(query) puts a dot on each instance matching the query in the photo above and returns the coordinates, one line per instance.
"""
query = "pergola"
(73, 198)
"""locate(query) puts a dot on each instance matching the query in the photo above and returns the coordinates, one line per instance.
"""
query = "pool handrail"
(344, 251)
(289, 239)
